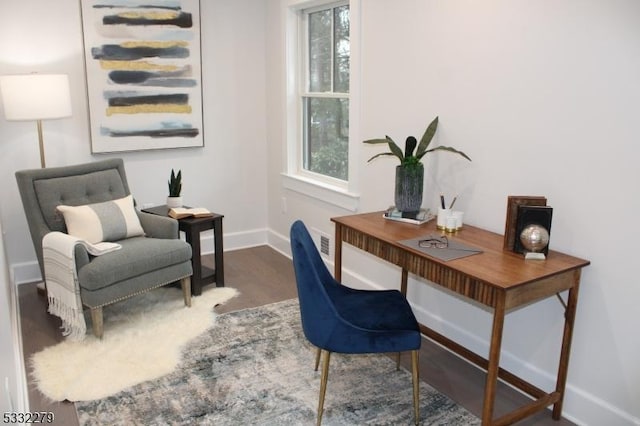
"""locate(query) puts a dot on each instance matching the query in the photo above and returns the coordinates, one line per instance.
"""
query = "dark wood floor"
(264, 276)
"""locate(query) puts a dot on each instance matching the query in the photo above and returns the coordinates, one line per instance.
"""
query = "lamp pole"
(41, 143)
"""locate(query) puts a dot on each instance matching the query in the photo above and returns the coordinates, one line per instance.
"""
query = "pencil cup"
(458, 215)
(441, 221)
(451, 225)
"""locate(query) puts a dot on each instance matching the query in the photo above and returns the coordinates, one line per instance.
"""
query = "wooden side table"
(192, 227)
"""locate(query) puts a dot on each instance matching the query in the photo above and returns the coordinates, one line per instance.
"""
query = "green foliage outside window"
(326, 101)
(331, 160)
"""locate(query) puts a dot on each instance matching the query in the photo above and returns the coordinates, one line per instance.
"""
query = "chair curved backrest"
(312, 278)
(336, 318)
(42, 190)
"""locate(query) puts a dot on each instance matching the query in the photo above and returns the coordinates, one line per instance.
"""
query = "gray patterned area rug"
(255, 367)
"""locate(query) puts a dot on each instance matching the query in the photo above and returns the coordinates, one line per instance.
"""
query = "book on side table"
(181, 212)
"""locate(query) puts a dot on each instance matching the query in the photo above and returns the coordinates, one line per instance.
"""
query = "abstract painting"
(144, 77)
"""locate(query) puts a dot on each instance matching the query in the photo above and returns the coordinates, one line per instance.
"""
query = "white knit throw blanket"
(63, 290)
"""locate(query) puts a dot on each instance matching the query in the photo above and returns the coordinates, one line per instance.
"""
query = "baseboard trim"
(236, 240)
(25, 272)
(28, 272)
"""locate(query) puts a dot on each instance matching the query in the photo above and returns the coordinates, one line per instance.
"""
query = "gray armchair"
(143, 263)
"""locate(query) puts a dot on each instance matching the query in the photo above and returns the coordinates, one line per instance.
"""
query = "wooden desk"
(496, 278)
(192, 227)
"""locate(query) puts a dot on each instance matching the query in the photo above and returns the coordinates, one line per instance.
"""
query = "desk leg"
(337, 261)
(403, 282)
(569, 315)
(219, 252)
(494, 362)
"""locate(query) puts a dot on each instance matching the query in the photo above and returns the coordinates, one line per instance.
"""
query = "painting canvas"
(144, 77)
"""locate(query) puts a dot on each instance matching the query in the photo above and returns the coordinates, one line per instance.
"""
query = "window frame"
(295, 177)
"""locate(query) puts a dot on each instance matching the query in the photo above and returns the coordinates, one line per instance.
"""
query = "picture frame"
(143, 74)
(513, 201)
(532, 215)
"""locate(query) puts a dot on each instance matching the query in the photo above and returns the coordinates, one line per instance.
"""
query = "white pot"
(174, 202)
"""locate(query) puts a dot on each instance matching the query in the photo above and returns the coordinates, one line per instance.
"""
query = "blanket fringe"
(63, 290)
(73, 325)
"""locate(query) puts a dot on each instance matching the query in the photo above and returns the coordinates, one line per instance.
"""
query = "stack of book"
(416, 218)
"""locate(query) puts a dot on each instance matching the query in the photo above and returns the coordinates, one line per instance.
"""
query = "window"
(324, 94)
(322, 100)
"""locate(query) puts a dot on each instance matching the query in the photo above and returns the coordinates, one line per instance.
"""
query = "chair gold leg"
(185, 283)
(96, 322)
(323, 385)
(416, 385)
(317, 359)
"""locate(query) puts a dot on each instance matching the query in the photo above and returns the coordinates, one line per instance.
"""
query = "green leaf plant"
(411, 157)
(175, 184)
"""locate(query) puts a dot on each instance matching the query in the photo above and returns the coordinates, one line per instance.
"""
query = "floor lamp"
(38, 97)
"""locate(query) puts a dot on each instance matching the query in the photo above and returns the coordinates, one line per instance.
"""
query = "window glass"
(327, 136)
(325, 99)
(342, 49)
(320, 24)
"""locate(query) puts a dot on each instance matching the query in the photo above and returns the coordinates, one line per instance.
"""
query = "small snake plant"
(175, 184)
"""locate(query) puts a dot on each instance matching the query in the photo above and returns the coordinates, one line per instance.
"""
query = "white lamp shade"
(35, 96)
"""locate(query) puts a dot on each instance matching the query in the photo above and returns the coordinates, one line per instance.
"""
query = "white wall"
(12, 374)
(225, 176)
(544, 97)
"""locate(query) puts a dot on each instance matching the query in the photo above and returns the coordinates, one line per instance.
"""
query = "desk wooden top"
(494, 266)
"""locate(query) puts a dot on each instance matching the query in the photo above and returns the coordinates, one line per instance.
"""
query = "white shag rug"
(143, 340)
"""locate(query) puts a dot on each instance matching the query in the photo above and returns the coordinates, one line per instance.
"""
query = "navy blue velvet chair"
(336, 318)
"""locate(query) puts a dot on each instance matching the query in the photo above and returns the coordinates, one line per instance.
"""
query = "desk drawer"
(451, 279)
(372, 245)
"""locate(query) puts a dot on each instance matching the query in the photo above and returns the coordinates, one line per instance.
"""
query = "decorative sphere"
(534, 237)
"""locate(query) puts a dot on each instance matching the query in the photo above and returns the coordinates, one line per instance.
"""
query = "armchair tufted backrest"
(42, 190)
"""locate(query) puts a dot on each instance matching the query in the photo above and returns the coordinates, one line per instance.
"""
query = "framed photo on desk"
(513, 201)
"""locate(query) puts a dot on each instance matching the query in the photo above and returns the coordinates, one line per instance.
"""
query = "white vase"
(174, 202)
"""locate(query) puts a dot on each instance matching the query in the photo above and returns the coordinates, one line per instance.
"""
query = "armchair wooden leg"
(185, 283)
(96, 322)
(416, 385)
(323, 385)
(398, 360)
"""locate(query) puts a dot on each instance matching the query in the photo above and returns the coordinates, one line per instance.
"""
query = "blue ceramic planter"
(409, 186)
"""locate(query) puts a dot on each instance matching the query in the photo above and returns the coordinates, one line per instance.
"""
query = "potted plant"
(175, 189)
(410, 172)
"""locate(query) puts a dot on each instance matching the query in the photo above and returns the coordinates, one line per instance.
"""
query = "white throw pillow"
(108, 221)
